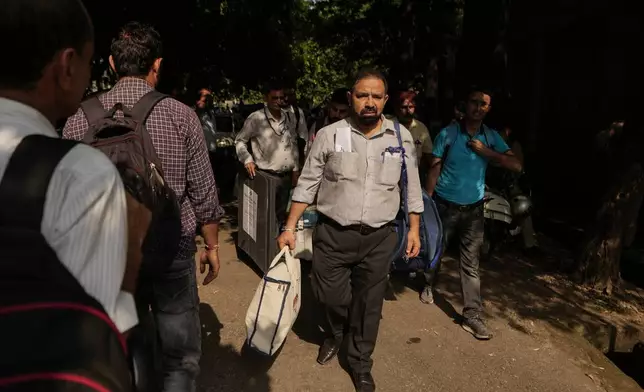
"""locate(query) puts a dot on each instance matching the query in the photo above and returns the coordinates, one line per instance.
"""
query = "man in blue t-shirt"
(456, 180)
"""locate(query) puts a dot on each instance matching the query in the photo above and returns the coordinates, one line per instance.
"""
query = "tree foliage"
(234, 46)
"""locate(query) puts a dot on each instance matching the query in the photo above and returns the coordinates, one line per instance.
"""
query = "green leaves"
(236, 46)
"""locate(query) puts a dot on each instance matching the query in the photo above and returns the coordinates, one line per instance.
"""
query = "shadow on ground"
(630, 363)
(310, 320)
(521, 290)
(222, 367)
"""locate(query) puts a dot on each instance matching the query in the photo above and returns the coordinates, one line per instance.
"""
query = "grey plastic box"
(257, 216)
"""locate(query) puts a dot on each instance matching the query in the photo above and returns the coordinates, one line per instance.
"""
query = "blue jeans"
(174, 304)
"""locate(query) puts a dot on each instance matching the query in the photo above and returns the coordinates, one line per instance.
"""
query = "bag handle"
(277, 258)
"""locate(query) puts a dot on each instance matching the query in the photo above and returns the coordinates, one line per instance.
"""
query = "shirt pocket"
(341, 166)
(390, 171)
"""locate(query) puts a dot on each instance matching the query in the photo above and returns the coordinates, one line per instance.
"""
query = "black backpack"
(127, 143)
(53, 335)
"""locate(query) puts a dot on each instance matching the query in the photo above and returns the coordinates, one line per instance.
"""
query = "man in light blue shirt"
(461, 154)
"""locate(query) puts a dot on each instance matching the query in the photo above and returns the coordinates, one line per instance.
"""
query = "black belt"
(276, 174)
(362, 229)
(458, 207)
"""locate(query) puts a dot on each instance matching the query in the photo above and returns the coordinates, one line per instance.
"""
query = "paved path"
(420, 348)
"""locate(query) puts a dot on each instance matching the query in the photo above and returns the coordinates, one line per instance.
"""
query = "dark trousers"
(466, 224)
(173, 302)
(350, 280)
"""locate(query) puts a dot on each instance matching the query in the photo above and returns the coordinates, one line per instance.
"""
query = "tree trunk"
(599, 263)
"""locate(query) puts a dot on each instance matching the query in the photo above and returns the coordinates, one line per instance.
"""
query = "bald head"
(33, 31)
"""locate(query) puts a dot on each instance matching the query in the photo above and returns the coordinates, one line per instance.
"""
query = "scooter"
(504, 215)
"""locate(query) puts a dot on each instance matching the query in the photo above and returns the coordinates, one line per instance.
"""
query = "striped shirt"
(179, 142)
(84, 218)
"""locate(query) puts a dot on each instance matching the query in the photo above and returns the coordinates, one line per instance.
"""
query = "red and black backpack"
(53, 335)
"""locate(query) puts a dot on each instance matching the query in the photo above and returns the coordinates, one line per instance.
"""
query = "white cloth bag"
(275, 306)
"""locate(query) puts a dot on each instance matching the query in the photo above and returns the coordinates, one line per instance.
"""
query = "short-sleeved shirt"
(361, 185)
(462, 179)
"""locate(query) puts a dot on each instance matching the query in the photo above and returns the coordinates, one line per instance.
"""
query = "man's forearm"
(414, 221)
(297, 209)
(432, 178)
(210, 233)
(506, 161)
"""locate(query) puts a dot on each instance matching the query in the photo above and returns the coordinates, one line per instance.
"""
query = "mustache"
(368, 111)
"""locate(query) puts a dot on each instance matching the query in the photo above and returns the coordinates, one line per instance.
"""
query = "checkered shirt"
(178, 139)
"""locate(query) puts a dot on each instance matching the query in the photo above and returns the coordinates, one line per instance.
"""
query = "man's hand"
(286, 238)
(250, 168)
(413, 244)
(210, 257)
(478, 147)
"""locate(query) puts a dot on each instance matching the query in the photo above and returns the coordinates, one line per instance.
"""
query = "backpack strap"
(142, 109)
(403, 170)
(488, 136)
(452, 134)
(23, 188)
(93, 109)
(297, 116)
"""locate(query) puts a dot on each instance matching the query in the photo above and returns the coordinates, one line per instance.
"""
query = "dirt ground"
(542, 336)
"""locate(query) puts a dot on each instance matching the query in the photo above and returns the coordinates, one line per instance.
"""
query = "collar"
(270, 117)
(17, 111)
(132, 84)
(393, 118)
(463, 129)
(387, 126)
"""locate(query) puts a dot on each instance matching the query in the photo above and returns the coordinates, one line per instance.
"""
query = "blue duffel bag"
(431, 228)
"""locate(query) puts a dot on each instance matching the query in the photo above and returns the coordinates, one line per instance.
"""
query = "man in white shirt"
(273, 138)
(84, 218)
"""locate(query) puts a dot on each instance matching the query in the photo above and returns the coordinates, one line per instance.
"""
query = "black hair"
(33, 31)
(273, 85)
(339, 96)
(136, 49)
(366, 73)
(477, 89)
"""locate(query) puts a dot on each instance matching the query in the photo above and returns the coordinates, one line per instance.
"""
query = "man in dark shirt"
(178, 139)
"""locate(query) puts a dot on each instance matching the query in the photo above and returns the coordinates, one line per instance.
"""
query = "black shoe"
(427, 295)
(476, 327)
(328, 351)
(364, 382)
